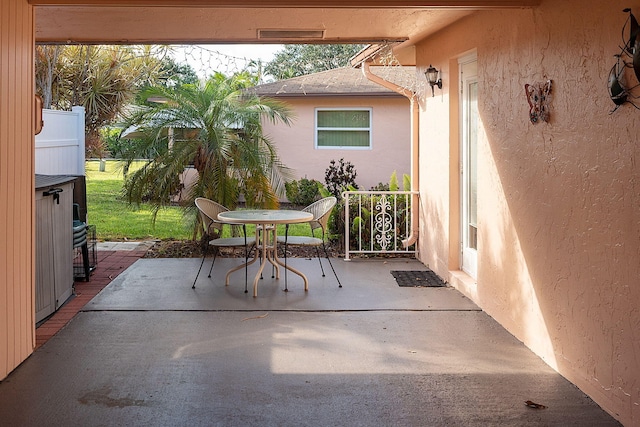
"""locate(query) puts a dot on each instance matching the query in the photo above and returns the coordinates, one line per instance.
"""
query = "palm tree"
(214, 126)
(103, 79)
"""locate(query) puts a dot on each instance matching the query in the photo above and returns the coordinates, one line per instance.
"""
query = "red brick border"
(110, 265)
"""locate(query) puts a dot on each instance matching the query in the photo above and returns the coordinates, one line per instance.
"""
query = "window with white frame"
(343, 128)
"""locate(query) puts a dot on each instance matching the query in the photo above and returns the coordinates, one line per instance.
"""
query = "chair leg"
(215, 253)
(85, 262)
(286, 237)
(247, 251)
(246, 261)
(201, 264)
(204, 255)
(333, 269)
(274, 237)
(260, 255)
(320, 261)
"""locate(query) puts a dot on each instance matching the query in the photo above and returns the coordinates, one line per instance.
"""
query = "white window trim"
(370, 128)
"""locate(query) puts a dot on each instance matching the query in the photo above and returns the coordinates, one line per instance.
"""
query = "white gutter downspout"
(415, 147)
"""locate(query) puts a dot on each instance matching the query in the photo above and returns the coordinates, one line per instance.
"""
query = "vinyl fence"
(60, 145)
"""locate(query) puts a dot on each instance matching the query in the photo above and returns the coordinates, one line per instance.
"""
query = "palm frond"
(217, 129)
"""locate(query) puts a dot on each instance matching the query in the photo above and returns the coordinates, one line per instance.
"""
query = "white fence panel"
(60, 145)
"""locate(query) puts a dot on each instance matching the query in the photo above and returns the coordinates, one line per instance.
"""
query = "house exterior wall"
(17, 326)
(558, 202)
(390, 144)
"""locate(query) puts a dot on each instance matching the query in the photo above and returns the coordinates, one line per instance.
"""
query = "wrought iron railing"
(376, 222)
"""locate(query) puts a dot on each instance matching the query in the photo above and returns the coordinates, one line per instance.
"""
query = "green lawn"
(116, 220)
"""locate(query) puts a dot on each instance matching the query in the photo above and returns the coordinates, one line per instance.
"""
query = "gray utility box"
(54, 242)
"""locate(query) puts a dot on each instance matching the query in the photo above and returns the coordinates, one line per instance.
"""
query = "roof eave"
(325, 95)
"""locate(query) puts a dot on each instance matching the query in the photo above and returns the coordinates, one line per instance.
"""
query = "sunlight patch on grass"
(115, 219)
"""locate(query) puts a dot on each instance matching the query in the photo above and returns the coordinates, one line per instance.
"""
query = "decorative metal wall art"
(620, 90)
(538, 97)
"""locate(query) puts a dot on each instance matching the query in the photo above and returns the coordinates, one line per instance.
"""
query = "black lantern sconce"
(621, 89)
(432, 78)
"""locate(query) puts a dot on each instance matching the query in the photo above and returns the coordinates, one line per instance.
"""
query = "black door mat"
(418, 279)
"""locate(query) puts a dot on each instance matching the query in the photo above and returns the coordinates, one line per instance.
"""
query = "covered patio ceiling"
(250, 21)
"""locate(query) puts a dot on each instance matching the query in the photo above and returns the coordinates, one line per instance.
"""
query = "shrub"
(380, 187)
(393, 184)
(110, 136)
(340, 177)
(119, 147)
(303, 192)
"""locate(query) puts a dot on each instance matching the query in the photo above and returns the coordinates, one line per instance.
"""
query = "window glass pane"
(343, 128)
(343, 119)
(333, 138)
(473, 153)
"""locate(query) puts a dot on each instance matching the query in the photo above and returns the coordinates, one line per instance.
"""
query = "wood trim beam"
(368, 4)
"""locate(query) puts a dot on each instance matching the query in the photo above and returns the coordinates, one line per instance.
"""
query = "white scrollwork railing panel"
(383, 223)
(376, 222)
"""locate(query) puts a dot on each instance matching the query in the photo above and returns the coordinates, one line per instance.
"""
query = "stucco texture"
(558, 202)
(391, 136)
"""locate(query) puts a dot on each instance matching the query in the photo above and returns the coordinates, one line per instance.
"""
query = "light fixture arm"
(432, 75)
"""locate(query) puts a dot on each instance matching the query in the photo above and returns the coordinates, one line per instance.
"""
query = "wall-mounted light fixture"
(432, 78)
(37, 118)
(620, 86)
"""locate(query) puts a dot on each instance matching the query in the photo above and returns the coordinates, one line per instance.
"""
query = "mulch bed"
(174, 249)
(192, 249)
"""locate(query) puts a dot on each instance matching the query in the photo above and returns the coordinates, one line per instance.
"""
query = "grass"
(115, 219)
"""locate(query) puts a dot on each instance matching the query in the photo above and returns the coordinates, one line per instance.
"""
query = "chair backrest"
(321, 211)
(209, 211)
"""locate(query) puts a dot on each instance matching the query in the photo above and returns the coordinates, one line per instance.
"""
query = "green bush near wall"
(303, 192)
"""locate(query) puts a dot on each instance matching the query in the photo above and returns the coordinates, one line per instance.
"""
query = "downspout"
(415, 147)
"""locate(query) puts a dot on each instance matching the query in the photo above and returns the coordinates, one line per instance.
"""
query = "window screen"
(348, 128)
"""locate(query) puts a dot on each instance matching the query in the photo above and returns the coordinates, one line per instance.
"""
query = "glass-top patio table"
(266, 238)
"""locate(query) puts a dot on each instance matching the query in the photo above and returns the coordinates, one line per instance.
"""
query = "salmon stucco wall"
(558, 202)
(17, 271)
(390, 144)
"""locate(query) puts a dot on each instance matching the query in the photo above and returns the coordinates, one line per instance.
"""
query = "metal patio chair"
(209, 211)
(321, 211)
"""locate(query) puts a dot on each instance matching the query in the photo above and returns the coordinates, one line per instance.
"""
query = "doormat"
(418, 279)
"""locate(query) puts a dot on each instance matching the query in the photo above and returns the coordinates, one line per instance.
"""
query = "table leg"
(271, 251)
(266, 246)
(288, 267)
(263, 261)
(245, 265)
(239, 267)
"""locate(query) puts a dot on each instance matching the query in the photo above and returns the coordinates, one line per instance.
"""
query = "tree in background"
(172, 74)
(47, 70)
(214, 126)
(300, 59)
(102, 79)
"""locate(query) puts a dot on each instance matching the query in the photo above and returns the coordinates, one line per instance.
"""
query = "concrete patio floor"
(150, 351)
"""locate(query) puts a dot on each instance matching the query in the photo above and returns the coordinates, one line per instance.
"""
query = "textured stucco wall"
(391, 140)
(559, 202)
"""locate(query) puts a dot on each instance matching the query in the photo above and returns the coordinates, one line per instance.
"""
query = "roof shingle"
(337, 82)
